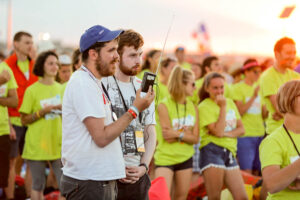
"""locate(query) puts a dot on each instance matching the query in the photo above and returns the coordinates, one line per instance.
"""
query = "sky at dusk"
(234, 26)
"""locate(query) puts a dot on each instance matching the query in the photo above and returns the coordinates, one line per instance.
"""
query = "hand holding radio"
(141, 103)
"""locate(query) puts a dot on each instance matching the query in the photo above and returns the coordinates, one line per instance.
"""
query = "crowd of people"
(85, 119)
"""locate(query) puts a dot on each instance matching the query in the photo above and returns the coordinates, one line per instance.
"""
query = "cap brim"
(111, 35)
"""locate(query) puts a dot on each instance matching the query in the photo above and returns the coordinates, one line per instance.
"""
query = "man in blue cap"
(91, 152)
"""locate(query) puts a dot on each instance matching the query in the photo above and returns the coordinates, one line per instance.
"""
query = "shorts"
(181, 166)
(196, 158)
(74, 189)
(4, 160)
(248, 152)
(215, 156)
(137, 191)
(18, 144)
(38, 172)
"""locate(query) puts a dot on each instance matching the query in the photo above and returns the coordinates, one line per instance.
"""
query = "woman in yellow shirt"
(40, 112)
(220, 125)
(178, 118)
(280, 151)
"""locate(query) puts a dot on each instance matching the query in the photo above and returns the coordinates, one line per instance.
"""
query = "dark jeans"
(137, 191)
(74, 189)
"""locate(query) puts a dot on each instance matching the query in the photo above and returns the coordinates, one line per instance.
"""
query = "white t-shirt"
(82, 159)
(128, 140)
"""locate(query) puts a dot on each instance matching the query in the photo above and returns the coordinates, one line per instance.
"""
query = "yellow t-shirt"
(24, 67)
(161, 92)
(4, 88)
(186, 65)
(252, 118)
(141, 74)
(195, 97)
(63, 88)
(270, 82)
(278, 149)
(176, 152)
(209, 113)
(43, 137)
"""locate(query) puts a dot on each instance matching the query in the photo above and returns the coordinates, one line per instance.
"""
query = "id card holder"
(139, 139)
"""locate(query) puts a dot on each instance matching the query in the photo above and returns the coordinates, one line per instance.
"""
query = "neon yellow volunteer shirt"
(11, 84)
(278, 149)
(161, 92)
(141, 74)
(43, 137)
(209, 113)
(195, 97)
(176, 152)
(270, 82)
(24, 67)
(252, 118)
(186, 65)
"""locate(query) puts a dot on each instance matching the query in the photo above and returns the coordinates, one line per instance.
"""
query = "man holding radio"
(91, 151)
(138, 140)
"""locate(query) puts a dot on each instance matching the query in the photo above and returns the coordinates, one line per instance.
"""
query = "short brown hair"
(279, 44)
(130, 38)
(18, 35)
(286, 96)
(178, 78)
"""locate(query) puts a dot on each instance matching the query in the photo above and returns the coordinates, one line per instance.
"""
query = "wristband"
(132, 113)
(38, 114)
(134, 109)
(181, 135)
(144, 165)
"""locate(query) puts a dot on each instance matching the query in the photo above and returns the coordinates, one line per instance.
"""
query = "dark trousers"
(4, 160)
(74, 189)
(137, 191)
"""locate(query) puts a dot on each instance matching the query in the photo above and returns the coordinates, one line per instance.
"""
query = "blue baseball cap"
(95, 34)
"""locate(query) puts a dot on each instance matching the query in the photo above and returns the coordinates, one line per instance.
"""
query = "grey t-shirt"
(128, 90)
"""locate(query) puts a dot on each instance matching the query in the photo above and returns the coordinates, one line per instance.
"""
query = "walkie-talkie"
(149, 77)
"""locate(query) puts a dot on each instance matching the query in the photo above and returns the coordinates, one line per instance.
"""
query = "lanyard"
(291, 138)
(178, 115)
(122, 98)
(103, 90)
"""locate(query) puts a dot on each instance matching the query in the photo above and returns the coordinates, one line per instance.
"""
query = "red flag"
(287, 11)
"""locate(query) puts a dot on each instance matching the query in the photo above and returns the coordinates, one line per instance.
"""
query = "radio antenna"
(162, 52)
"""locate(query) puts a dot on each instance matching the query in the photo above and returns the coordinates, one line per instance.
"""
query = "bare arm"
(150, 144)
(11, 100)
(238, 131)
(103, 135)
(33, 117)
(191, 136)
(168, 133)
(277, 115)
(217, 128)
(264, 112)
(243, 107)
(4, 77)
(276, 179)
